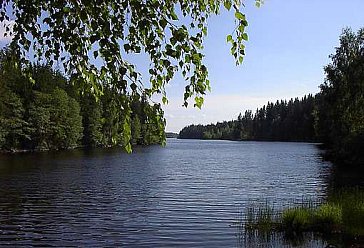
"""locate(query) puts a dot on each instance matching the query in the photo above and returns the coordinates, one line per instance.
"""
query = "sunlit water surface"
(187, 194)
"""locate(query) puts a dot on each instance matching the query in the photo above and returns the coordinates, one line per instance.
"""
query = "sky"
(289, 44)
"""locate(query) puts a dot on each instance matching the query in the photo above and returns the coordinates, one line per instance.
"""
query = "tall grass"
(352, 206)
(262, 217)
(343, 213)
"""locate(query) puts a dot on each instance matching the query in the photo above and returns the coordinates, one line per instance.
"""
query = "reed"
(343, 213)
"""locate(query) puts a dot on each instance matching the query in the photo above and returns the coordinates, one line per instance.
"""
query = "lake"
(187, 194)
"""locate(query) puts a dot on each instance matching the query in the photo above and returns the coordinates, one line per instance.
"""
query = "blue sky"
(289, 44)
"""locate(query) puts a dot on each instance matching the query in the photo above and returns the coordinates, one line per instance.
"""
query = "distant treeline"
(334, 116)
(282, 121)
(50, 113)
(171, 135)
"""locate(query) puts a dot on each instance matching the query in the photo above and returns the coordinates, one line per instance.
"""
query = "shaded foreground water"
(187, 194)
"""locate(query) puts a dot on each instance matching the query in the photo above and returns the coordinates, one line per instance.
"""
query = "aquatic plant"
(328, 217)
(295, 219)
(343, 213)
(261, 217)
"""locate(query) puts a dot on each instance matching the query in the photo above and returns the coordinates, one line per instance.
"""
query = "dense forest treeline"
(334, 116)
(50, 113)
(282, 121)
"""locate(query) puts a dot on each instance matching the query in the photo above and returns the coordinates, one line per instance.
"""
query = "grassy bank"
(342, 215)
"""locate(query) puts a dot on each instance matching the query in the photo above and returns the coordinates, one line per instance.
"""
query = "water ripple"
(185, 195)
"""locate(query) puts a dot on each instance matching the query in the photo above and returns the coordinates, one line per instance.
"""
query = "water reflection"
(275, 239)
(344, 191)
(187, 194)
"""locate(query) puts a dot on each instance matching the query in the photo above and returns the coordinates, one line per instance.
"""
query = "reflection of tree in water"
(11, 204)
(20, 214)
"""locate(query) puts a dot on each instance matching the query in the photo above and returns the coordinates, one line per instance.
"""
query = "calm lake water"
(187, 194)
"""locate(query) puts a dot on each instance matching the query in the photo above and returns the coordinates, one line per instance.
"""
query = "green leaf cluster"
(50, 113)
(76, 34)
(340, 109)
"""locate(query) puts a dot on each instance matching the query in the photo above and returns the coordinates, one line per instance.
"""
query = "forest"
(50, 113)
(334, 116)
(281, 121)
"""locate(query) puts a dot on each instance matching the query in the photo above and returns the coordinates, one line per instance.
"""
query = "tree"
(55, 121)
(340, 108)
(112, 119)
(91, 121)
(292, 121)
(70, 33)
(46, 114)
(12, 124)
(73, 121)
(39, 117)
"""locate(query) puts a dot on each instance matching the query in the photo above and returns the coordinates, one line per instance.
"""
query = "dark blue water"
(188, 193)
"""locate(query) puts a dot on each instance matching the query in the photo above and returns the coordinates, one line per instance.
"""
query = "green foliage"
(170, 33)
(351, 202)
(353, 218)
(135, 129)
(340, 109)
(91, 121)
(296, 219)
(283, 121)
(262, 218)
(58, 108)
(112, 120)
(12, 121)
(55, 120)
(73, 121)
(39, 116)
(343, 214)
(46, 114)
(335, 116)
(327, 216)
